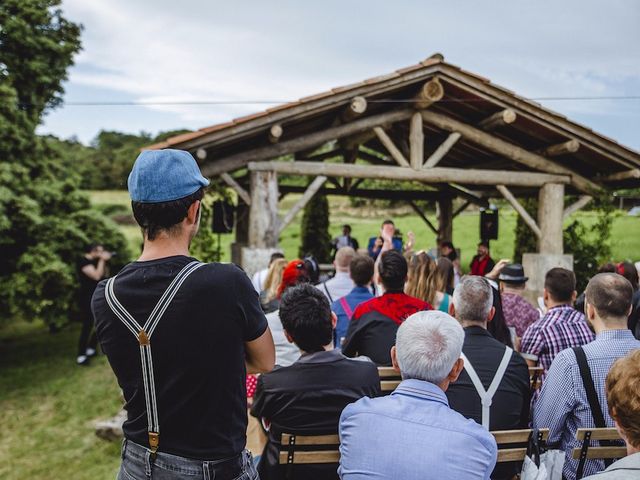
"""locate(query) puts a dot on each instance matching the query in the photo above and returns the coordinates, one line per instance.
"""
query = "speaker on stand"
(223, 219)
(489, 224)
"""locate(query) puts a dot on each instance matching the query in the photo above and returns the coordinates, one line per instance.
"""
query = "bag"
(541, 466)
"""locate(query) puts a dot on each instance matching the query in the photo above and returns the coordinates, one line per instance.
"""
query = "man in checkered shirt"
(562, 326)
(563, 406)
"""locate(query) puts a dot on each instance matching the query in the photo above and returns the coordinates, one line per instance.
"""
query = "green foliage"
(589, 243)
(526, 240)
(315, 229)
(45, 220)
(204, 246)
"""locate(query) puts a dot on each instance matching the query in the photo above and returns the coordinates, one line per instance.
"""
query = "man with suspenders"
(493, 388)
(180, 336)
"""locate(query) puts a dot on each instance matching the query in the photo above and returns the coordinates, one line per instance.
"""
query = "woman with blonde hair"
(269, 296)
(425, 281)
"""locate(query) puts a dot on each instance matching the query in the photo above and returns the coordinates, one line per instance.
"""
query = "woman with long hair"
(425, 282)
(269, 296)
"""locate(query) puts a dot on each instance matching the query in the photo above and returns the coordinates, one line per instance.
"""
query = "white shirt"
(339, 286)
(259, 279)
(287, 353)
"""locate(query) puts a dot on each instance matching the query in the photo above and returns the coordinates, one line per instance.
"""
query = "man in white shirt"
(341, 284)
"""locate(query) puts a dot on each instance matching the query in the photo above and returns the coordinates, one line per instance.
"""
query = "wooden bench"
(588, 452)
(508, 438)
(389, 379)
(535, 380)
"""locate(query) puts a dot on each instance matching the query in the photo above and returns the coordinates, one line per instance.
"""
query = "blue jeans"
(137, 464)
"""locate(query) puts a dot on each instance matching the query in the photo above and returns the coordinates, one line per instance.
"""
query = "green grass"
(49, 405)
(625, 235)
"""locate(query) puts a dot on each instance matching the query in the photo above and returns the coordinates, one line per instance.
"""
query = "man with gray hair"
(412, 433)
(493, 388)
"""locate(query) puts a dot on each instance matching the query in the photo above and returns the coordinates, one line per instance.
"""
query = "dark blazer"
(307, 398)
(510, 405)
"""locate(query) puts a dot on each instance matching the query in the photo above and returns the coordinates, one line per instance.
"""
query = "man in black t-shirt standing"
(91, 269)
(180, 336)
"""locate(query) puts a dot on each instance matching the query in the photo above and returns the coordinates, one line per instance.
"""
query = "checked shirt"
(562, 406)
(562, 327)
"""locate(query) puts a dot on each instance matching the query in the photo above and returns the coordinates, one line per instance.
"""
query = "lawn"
(49, 404)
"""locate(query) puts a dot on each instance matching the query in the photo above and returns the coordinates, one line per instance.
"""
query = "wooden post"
(416, 141)
(550, 210)
(445, 219)
(263, 215)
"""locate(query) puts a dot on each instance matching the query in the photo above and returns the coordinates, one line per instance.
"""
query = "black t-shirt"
(198, 354)
(87, 284)
(307, 398)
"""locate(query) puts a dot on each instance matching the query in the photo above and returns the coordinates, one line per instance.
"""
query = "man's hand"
(497, 268)
(106, 256)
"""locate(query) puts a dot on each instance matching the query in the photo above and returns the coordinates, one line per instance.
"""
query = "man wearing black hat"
(180, 336)
(518, 312)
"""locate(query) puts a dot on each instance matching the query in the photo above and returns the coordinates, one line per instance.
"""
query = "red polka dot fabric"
(252, 383)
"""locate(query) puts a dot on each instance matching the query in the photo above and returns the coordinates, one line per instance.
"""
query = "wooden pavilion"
(451, 132)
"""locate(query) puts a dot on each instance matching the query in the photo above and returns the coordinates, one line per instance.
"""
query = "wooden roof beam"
(242, 193)
(582, 202)
(357, 106)
(308, 194)
(239, 160)
(509, 150)
(391, 147)
(430, 195)
(275, 132)
(432, 175)
(520, 209)
(430, 92)
(442, 150)
(498, 119)
(626, 175)
(570, 146)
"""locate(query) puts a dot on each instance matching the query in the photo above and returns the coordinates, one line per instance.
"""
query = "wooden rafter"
(433, 175)
(579, 204)
(391, 147)
(498, 119)
(461, 208)
(275, 132)
(570, 146)
(520, 209)
(302, 201)
(399, 195)
(442, 150)
(626, 175)
(509, 150)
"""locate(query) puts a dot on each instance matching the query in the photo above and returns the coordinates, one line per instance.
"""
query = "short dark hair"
(388, 221)
(483, 243)
(275, 256)
(393, 270)
(610, 294)
(346, 226)
(306, 316)
(560, 283)
(361, 269)
(164, 216)
(90, 247)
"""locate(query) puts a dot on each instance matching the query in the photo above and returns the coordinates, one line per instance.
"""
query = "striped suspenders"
(143, 335)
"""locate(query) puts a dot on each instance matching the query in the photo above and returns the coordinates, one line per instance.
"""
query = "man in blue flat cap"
(180, 336)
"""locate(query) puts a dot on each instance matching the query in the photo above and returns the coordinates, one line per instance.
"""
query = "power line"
(120, 103)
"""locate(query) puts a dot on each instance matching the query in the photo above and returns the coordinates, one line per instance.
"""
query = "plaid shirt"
(562, 327)
(563, 406)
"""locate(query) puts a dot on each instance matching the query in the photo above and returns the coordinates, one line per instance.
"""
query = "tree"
(45, 220)
(315, 229)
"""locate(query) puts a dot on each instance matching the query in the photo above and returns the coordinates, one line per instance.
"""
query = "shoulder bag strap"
(486, 396)
(324, 284)
(594, 403)
(143, 335)
(345, 306)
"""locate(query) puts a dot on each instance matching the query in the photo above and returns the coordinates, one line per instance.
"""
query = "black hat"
(513, 273)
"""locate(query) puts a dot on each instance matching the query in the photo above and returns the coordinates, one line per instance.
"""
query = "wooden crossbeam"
(626, 175)
(300, 204)
(421, 214)
(399, 195)
(242, 193)
(570, 146)
(442, 150)
(432, 175)
(416, 141)
(520, 209)
(391, 147)
(508, 150)
(319, 157)
(582, 202)
(498, 119)
(461, 208)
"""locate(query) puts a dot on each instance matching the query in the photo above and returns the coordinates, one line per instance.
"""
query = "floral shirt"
(518, 313)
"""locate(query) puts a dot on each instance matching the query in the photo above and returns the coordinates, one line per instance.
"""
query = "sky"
(253, 54)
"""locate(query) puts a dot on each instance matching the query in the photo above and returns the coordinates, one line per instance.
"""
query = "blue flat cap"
(164, 176)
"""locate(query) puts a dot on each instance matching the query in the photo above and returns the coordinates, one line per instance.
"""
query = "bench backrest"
(535, 380)
(586, 435)
(514, 443)
(389, 379)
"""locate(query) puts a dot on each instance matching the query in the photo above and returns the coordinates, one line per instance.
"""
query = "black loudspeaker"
(489, 224)
(223, 217)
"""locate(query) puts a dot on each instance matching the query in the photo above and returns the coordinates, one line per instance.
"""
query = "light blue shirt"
(412, 434)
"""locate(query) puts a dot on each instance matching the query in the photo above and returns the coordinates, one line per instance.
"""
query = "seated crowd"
(463, 357)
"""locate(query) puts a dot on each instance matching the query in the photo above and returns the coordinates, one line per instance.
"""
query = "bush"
(315, 229)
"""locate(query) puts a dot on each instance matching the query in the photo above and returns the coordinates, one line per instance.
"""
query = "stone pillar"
(263, 222)
(445, 219)
(550, 212)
